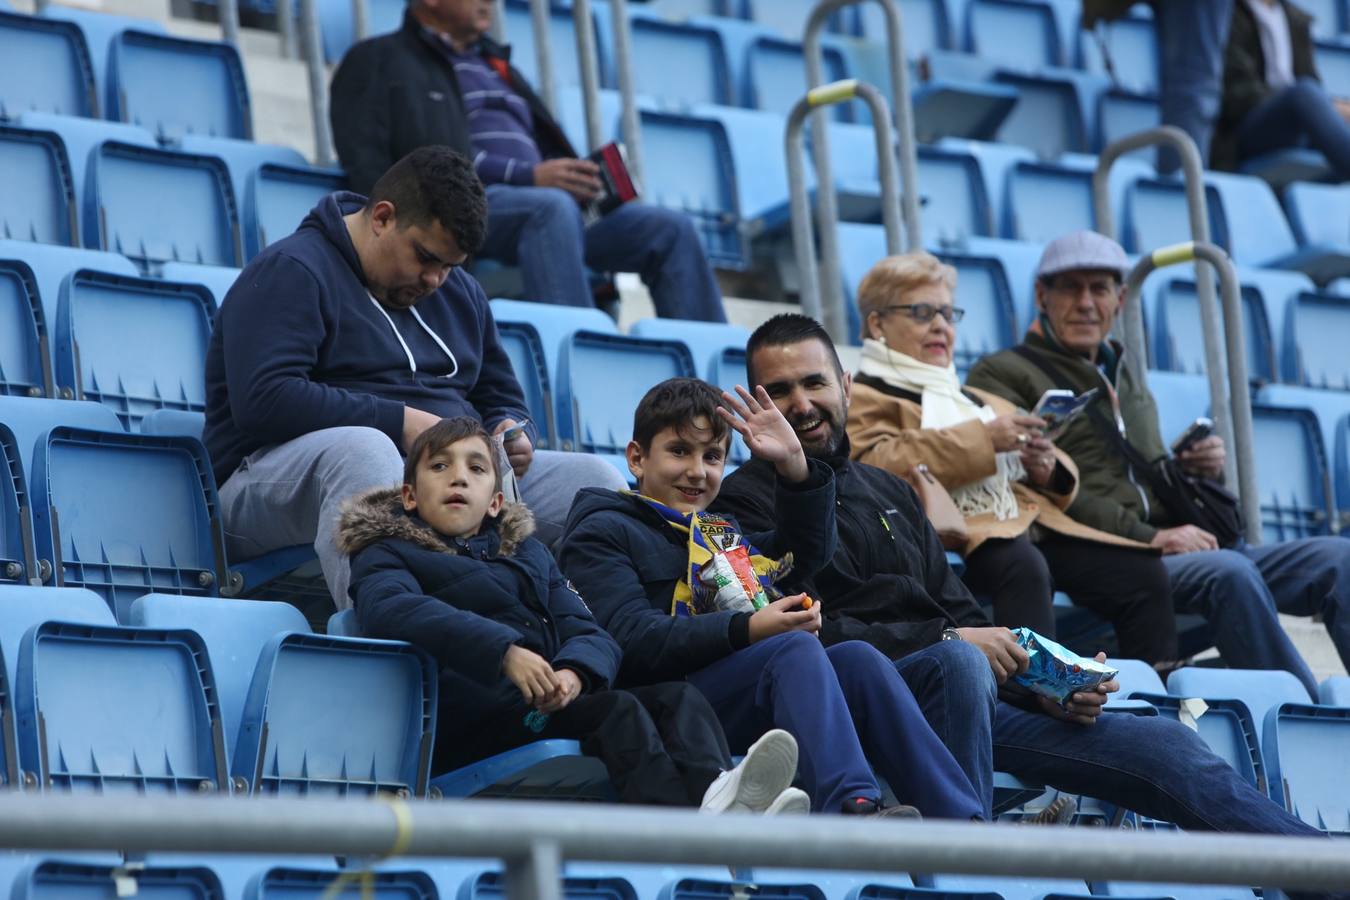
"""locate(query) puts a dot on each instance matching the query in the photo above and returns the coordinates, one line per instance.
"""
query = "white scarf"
(943, 406)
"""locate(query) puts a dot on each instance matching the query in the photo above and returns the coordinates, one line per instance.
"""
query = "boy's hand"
(766, 433)
(531, 673)
(785, 615)
(569, 688)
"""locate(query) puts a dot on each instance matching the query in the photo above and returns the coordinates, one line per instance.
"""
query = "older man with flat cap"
(1237, 588)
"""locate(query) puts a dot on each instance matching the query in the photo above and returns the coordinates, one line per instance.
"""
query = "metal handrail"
(286, 28)
(318, 83)
(229, 21)
(1237, 358)
(360, 20)
(803, 243)
(587, 60)
(543, 53)
(533, 838)
(1133, 318)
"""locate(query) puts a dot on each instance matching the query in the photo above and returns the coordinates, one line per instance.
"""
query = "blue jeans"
(1152, 765)
(540, 229)
(1300, 115)
(1239, 591)
(844, 705)
(1192, 36)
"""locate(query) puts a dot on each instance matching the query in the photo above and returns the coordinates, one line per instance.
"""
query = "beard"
(831, 440)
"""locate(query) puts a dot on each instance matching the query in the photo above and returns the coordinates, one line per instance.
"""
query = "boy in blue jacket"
(445, 564)
(640, 558)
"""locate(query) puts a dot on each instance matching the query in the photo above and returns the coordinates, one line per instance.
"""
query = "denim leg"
(1300, 115)
(1152, 765)
(897, 738)
(1192, 36)
(1228, 589)
(787, 682)
(955, 689)
(1310, 576)
(662, 246)
(539, 229)
(551, 484)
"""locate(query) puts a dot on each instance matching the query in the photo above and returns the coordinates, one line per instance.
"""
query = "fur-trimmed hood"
(378, 515)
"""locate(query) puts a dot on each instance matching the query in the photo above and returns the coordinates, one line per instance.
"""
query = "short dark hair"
(785, 329)
(442, 435)
(676, 403)
(436, 184)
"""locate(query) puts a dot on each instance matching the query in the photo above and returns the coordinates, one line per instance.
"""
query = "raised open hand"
(766, 433)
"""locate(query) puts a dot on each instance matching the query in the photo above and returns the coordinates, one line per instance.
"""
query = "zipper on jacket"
(1120, 427)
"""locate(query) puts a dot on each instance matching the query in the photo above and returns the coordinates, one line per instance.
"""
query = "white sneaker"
(766, 772)
(792, 802)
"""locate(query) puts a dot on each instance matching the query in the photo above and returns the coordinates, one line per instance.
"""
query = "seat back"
(51, 879)
(553, 323)
(955, 205)
(217, 279)
(1036, 187)
(132, 344)
(1260, 689)
(1305, 745)
(380, 743)
(1178, 338)
(1333, 66)
(25, 361)
(116, 709)
(38, 203)
(206, 95)
(126, 514)
(1047, 119)
(1293, 474)
(1156, 215)
(1335, 691)
(1314, 326)
(1122, 113)
(23, 606)
(687, 167)
(1255, 231)
(280, 196)
(1328, 17)
(774, 76)
(1181, 399)
(1016, 34)
(295, 883)
(1318, 213)
(525, 348)
(81, 137)
(561, 38)
(200, 226)
(926, 25)
(696, 52)
(30, 44)
(1132, 44)
(982, 291)
(18, 557)
(1226, 725)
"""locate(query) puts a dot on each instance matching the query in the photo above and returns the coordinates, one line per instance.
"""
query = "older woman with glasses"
(1009, 482)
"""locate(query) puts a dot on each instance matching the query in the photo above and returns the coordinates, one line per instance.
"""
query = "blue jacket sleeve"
(273, 326)
(390, 604)
(497, 394)
(657, 646)
(804, 514)
(586, 647)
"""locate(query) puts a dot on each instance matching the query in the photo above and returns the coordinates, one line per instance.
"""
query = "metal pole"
(632, 123)
(360, 21)
(1237, 359)
(584, 26)
(318, 83)
(515, 830)
(229, 21)
(1133, 320)
(803, 242)
(537, 875)
(286, 28)
(543, 53)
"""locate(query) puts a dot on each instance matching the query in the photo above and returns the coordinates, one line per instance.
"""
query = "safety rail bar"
(312, 39)
(831, 313)
(533, 839)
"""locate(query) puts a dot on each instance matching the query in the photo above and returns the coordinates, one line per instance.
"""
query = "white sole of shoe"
(792, 802)
(766, 771)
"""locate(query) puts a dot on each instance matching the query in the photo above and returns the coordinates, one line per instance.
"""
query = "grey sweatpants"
(292, 493)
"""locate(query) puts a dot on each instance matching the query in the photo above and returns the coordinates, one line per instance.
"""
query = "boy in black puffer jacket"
(445, 564)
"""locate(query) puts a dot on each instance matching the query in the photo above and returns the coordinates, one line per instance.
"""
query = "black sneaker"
(862, 806)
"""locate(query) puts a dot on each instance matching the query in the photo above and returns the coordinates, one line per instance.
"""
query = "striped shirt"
(501, 126)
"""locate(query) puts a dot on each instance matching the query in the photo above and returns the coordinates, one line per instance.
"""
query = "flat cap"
(1083, 250)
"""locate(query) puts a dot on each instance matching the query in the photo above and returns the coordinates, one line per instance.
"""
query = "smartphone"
(1057, 407)
(1200, 429)
(511, 434)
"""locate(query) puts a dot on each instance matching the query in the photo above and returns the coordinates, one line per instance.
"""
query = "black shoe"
(862, 806)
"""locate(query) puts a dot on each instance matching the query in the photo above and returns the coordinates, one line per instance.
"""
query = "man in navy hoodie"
(340, 344)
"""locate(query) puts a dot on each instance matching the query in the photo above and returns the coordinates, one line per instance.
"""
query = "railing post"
(1237, 360)
(537, 875)
(632, 122)
(543, 53)
(286, 28)
(584, 26)
(318, 83)
(360, 20)
(830, 311)
(229, 21)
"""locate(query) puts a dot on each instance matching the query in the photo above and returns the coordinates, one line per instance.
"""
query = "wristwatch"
(951, 634)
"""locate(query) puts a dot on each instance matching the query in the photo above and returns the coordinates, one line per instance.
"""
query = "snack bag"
(1056, 672)
(732, 581)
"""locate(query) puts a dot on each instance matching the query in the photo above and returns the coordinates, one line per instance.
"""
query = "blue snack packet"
(1056, 672)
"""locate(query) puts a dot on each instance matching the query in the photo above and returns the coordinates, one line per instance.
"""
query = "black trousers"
(661, 744)
(1128, 588)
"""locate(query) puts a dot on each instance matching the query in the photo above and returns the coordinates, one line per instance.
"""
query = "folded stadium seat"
(1052, 112)
(82, 877)
(278, 198)
(25, 360)
(133, 344)
(1335, 691)
(1177, 339)
(1315, 211)
(553, 323)
(1009, 887)
(100, 30)
(1120, 113)
(755, 143)
(525, 348)
(1136, 889)
(1181, 399)
(201, 226)
(39, 201)
(206, 95)
(595, 411)
(679, 10)
(217, 279)
(1312, 350)
(387, 883)
(102, 708)
(1132, 48)
(1257, 233)
(1332, 409)
(1293, 473)
(562, 41)
(242, 158)
(774, 75)
(29, 418)
(24, 606)
(1035, 187)
(1155, 215)
(335, 24)
(724, 888)
(1278, 289)
(80, 137)
(995, 162)
(31, 44)
(1020, 35)
(925, 23)
(788, 17)
(18, 557)
(696, 52)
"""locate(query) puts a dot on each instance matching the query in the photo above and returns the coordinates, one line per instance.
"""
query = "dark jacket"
(467, 601)
(394, 93)
(1244, 75)
(627, 559)
(299, 345)
(888, 582)
(1111, 496)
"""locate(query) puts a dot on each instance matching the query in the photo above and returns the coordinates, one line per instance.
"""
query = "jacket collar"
(486, 45)
(378, 515)
(1040, 337)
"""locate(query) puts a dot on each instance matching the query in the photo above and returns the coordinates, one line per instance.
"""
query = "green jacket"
(1110, 495)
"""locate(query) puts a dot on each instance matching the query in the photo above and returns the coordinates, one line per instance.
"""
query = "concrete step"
(1314, 643)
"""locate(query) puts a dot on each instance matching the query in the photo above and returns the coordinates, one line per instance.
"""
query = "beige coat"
(884, 430)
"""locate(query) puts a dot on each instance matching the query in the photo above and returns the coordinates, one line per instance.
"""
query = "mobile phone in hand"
(514, 432)
(1198, 430)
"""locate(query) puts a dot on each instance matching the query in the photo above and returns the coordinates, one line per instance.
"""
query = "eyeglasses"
(924, 312)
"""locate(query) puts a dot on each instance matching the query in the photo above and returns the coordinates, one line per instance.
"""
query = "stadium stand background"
(144, 162)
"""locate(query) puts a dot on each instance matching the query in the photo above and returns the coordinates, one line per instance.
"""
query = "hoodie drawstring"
(412, 363)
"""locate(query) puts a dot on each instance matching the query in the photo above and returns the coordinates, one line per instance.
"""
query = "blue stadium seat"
(201, 226)
(335, 24)
(174, 423)
(1335, 691)
(50, 264)
(132, 344)
(217, 279)
(595, 410)
(206, 95)
(1132, 45)
(1136, 677)
(381, 742)
(525, 347)
(24, 606)
(343, 623)
(319, 884)
(1315, 211)
(25, 360)
(1293, 473)
(278, 198)
(1181, 400)
(92, 518)
(995, 162)
(554, 324)
(1155, 215)
(542, 770)
(1177, 337)
(100, 31)
(955, 204)
(18, 557)
(1257, 233)
(49, 879)
(1121, 113)
(81, 136)
(1035, 187)
(1278, 289)
(1009, 887)
(1332, 409)
(774, 76)
(1226, 725)
(724, 888)
(1314, 324)
(562, 40)
(1304, 744)
(926, 25)
(1016, 34)
(860, 247)
(114, 709)
(695, 51)
(1332, 59)
(1328, 17)
(38, 203)
(787, 17)
(1049, 117)
(30, 44)
(1280, 168)
(242, 158)
(982, 291)
(755, 142)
